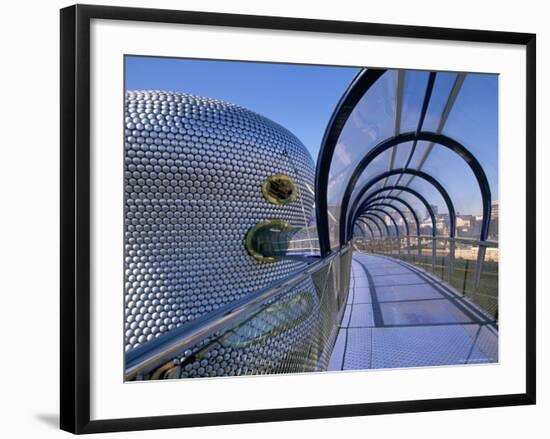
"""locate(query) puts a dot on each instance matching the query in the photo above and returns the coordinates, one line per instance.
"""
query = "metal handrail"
(488, 243)
(145, 358)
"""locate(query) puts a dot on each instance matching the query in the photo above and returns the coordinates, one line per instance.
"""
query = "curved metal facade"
(193, 173)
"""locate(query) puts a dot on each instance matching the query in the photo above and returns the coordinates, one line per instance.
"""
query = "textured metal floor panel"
(396, 318)
(486, 340)
(358, 349)
(362, 295)
(423, 346)
(336, 361)
(361, 316)
(347, 315)
(361, 282)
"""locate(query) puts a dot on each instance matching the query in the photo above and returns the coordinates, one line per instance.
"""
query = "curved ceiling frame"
(392, 219)
(420, 174)
(404, 189)
(362, 230)
(362, 82)
(439, 139)
(363, 220)
(423, 111)
(373, 215)
(403, 217)
(451, 100)
(370, 228)
(405, 203)
(396, 209)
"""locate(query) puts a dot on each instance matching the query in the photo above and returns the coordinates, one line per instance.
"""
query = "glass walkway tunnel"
(385, 256)
(408, 170)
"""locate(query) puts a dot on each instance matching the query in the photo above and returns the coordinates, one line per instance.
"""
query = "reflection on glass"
(269, 240)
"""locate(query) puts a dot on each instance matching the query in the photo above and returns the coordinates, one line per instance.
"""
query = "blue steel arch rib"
(371, 216)
(404, 189)
(423, 111)
(419, 174)
(399, 212)
(370, 228)
(364, 221)
(392, 219)
(382, 203)
(362, 82)
(407, 205)
(358, 225)
(435, 138)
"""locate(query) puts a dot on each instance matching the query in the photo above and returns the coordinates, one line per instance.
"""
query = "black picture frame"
(75, 217)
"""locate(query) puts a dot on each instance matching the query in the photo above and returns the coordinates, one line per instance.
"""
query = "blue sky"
(301, 98)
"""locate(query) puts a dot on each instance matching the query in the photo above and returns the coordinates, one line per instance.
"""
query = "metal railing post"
(398, 245)
(433, 253)
(479, 263)
(451, 258)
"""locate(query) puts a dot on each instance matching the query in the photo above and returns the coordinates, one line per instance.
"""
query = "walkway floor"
(397, 316)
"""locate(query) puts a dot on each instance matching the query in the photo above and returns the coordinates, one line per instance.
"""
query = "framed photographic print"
(268, 218)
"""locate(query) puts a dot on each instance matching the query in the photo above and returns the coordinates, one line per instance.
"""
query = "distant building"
(493, 226)
(466, 226)
(494, 210)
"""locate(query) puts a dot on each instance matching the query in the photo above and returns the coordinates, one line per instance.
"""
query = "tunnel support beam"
(360, 85)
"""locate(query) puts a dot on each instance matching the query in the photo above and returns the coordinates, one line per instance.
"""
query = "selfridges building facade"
(207, 186)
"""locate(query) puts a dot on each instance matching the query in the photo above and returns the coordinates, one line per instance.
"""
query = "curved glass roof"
(407, 146)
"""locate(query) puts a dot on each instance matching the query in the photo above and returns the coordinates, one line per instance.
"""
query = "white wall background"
(29, 249)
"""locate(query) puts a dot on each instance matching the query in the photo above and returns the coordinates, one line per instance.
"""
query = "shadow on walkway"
(396, 316)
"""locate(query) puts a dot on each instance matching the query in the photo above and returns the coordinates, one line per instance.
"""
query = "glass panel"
(391, 181)
(389, 227)
(371, 121)
(420, 209)
(360, 230)
(404, 210)
(442, 252)
(459, 181)
(396, 217)
(378, 166)
(473, 121)
(368, 228)
(402, 155)
(443, 84)
(464, 274)
(425, 257)
(487, 293)
(420, 150)
(414, 90)
(306, 239)
(408, 215)
(376, 226)
(437, 203)
(292, 331)
(413, 202)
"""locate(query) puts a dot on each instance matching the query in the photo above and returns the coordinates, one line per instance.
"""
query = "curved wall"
(193, 173)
